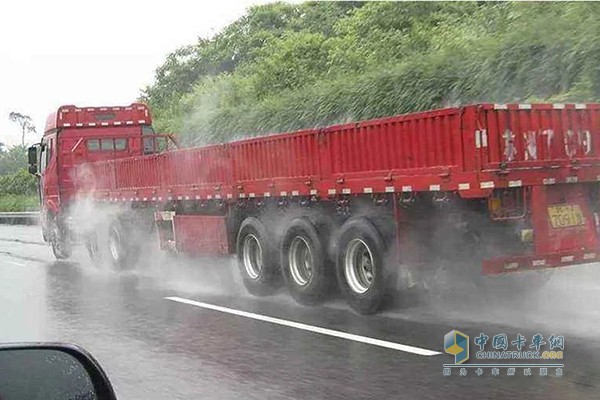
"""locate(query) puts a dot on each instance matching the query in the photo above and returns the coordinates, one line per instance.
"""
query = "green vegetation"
(18, 202)
(289, 66)
(18, 189)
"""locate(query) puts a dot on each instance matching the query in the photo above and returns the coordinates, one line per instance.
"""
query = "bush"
(285, 67)
(18, 183)
(17, 203)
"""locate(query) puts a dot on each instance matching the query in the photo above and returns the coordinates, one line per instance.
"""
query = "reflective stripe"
(284, 193)
(464, 186)
(313, 192)
(567, 258)
(538, 263)
(511, 265)
(294, 193)
(514, 183)
(434, 188)
(345, 190)
(524, 106)
(558, 106)
(267, 194)
(589, 256)
(390, 189)
(549, 181)
(368, 190)
(407, 188)
(580, 106)
(487, 185)
(500, 107)
(331, 191)
(572, 179)
(252, 195)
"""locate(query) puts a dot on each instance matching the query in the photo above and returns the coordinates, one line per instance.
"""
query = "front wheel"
(360, 265)
(61, 246)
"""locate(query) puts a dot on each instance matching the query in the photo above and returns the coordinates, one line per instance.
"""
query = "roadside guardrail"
(20, 218)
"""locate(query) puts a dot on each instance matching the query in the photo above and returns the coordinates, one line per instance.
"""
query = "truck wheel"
(360, 266)
(122, 252)
(304, 263)
(257, 258)
(61, 247)
(94, 249)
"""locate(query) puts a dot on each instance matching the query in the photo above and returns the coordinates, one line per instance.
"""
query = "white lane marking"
(16, 263)
(311, 328)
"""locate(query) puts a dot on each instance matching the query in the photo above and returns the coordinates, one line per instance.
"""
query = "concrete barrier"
(20, 218)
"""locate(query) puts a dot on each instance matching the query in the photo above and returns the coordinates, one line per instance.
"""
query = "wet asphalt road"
(154, 348)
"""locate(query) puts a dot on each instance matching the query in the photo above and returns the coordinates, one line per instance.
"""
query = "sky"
(58, 52)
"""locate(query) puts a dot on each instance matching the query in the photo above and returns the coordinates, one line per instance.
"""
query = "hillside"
(283, 67)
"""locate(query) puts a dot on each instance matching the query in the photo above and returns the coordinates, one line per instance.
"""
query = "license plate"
(565, 216)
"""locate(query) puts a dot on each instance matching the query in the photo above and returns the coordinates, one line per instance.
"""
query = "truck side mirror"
(32, 159)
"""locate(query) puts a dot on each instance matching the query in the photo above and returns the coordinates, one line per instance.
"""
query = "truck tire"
(96, 251)
(304, 262)
(122, 251)
(257, 258)
(360, 265)
(61, 247)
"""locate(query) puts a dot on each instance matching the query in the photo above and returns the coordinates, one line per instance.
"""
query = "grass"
(18, 202)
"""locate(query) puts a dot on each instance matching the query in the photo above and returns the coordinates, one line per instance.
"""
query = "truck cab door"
(49, 175)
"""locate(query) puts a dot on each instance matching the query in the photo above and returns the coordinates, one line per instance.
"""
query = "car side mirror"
(51, 371)
(32, 159)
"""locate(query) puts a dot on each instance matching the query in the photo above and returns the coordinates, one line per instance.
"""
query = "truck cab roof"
(70, 116)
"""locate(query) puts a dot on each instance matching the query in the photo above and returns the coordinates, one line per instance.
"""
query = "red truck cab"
(75, 135)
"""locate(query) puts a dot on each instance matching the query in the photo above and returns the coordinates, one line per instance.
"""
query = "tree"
(25, 122)
(285, 66)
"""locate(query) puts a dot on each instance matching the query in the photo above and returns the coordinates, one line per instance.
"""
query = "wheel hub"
(252, 256)
(359, 266)
(300, 260)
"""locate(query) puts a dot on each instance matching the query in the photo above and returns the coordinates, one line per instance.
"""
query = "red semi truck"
(509, 187)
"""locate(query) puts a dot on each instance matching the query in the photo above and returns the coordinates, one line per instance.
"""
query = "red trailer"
(514, 187)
